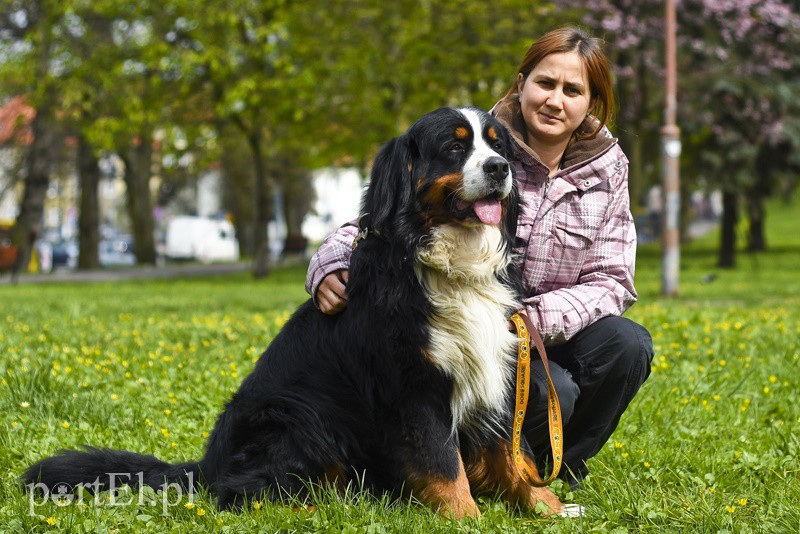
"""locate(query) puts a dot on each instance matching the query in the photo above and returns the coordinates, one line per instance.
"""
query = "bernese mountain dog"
(410, 389)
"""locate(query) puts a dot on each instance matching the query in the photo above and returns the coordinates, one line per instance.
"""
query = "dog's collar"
(364, 230)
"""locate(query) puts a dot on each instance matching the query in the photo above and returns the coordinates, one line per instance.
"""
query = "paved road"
(134, 273)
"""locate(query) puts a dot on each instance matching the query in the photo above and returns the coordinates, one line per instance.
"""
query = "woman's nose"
(554, 99)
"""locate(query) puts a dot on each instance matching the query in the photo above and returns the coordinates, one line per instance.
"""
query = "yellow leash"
(526, 332)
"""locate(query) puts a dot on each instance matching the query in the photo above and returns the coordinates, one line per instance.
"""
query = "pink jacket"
(579, 241)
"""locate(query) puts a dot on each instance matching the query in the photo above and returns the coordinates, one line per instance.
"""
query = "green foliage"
(708, 445)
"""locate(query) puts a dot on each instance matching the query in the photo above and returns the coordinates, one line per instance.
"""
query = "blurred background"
(134, 130)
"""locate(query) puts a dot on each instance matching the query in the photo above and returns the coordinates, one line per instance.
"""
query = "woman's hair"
(590, 50)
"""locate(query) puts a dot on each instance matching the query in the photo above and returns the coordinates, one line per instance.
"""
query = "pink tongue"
(488, 211)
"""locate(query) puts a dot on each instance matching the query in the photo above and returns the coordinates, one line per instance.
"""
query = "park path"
(133, 273)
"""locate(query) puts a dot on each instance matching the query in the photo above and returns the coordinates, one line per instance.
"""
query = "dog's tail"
(101, 469)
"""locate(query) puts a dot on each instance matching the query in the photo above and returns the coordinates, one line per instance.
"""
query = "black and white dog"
(412, 386)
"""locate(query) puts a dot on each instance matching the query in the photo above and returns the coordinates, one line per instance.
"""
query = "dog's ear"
(389, 196)
(513, 201)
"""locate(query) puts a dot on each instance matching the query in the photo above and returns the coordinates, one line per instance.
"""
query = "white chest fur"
(469, 337)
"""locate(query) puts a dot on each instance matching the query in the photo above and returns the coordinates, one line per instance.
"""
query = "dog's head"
(450, 167)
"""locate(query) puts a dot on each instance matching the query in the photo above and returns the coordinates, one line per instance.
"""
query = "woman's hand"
(332, 292)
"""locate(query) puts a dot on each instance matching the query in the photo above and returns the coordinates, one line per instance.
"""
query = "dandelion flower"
(201, 512)
(51, 521)
(189, 505)
(743, 502)
(64, 425)
(25, 404)
(730, 509)
(257, 505)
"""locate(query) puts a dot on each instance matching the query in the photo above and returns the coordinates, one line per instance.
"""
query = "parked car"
(116, 252)
(8, 251)
(201, 239)
(64, 254)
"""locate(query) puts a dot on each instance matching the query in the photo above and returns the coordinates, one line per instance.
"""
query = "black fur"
(351, 393)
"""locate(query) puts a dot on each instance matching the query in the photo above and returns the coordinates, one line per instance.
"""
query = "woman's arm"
(328, 268)
(605, 283)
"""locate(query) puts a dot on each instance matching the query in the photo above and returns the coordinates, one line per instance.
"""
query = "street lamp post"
(670, 153)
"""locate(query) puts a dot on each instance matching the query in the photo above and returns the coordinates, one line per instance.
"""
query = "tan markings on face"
(462, 132)
(494, 472)
(436, 194)
(492, 133)
(449, 497)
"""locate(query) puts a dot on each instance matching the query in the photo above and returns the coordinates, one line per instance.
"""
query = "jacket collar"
(578, 151)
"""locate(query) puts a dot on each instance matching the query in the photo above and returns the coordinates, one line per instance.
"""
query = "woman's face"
(555, 98)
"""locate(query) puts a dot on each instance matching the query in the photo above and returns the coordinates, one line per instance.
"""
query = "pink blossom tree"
(738, 69)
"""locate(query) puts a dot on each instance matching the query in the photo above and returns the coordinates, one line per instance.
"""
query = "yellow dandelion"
(51, 521)
(712, 489)
(722, 363)
(773, 379)
(188, 505)
(201, 512)
(165, 432)
(766, 390)
(624, 454)
(716, 397)
(730, 509)
(618, 444)
(743, 502)
(114, 396)
(647, 464)
(64, 425)
(257, 505)
(167, 412)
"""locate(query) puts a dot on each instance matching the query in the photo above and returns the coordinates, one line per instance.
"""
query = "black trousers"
(596, 375)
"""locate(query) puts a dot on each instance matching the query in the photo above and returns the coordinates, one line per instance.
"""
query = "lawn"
(710, 444)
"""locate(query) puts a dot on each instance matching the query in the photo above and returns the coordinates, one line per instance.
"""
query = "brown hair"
(590, 50)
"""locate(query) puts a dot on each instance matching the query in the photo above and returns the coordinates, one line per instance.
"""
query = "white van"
(202, 239)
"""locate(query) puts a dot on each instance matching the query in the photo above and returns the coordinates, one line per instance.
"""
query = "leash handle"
(526, 332)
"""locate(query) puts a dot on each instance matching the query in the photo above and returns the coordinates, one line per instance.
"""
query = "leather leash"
(526, 332)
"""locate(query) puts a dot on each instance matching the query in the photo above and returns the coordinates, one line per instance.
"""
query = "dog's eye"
(497, 145)
(456, 147)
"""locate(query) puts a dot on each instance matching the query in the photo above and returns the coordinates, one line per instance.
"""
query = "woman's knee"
(630, 344)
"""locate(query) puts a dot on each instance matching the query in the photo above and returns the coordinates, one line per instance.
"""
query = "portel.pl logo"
(124, 489)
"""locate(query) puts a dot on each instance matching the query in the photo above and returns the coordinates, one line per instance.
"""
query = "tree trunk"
(239, 178)
(261, 210)
(756, 214)
(138, 162)
(730, 217)
(89, 218)
(30, 220)
(295, 210)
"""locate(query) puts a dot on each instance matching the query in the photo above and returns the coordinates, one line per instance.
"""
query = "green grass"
(710, 444)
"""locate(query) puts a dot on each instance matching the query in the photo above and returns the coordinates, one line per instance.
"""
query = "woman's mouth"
(549, 118)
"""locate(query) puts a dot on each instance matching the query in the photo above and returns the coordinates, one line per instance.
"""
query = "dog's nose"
(495, 168)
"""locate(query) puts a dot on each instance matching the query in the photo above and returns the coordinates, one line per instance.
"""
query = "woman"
(579, 245)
